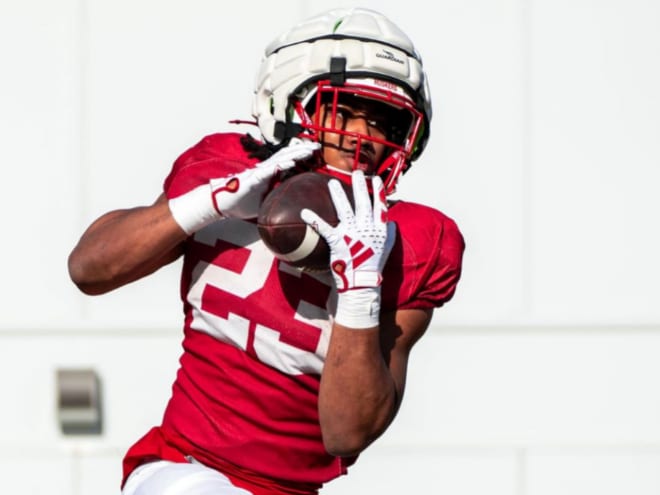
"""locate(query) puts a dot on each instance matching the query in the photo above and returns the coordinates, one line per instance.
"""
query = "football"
(285, 233)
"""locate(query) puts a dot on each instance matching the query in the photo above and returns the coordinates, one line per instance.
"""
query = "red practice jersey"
(256, 334)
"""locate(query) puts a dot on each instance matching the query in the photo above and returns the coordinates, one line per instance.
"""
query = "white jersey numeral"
(234, 329)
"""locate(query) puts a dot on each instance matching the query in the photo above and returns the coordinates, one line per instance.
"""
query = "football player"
(287, 376)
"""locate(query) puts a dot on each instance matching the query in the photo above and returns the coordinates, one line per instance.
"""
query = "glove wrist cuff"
(358, 308)
(194, 209)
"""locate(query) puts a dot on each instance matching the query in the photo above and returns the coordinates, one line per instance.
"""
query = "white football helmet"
(356, 52)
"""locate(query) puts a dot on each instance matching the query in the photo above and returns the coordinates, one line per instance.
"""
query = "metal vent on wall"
(79, 410)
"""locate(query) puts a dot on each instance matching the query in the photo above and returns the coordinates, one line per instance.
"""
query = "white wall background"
(540, 378)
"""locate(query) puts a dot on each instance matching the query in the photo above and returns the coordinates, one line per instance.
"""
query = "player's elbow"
(77, 272)
(344, 443)
(347, 432)
(82, 276)
(343, 448)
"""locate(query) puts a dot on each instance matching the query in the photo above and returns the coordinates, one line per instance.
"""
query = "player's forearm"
(357, 398)
(123, 246)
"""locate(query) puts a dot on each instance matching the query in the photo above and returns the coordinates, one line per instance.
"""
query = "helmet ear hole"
(285, 131)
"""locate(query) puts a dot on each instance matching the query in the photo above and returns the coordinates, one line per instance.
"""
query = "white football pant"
(176, 478)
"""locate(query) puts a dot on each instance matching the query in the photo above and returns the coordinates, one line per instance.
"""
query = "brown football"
(285, 233)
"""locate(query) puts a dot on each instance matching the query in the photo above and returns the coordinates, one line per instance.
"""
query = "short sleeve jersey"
(256, 332)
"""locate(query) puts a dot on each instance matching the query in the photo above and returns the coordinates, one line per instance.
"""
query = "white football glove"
(359, 247)
(238, 195)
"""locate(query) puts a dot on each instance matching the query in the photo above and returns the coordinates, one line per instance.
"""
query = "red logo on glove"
(360, 258)
(231, 186)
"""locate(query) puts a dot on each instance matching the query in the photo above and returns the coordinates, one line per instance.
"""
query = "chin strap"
(390, 170)
(283, 131)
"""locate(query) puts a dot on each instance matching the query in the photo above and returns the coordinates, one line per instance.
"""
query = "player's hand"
(238, 195)
(359, 247)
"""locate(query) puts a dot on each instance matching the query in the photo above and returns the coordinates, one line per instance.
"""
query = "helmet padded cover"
(356, 23)
(371, 44)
